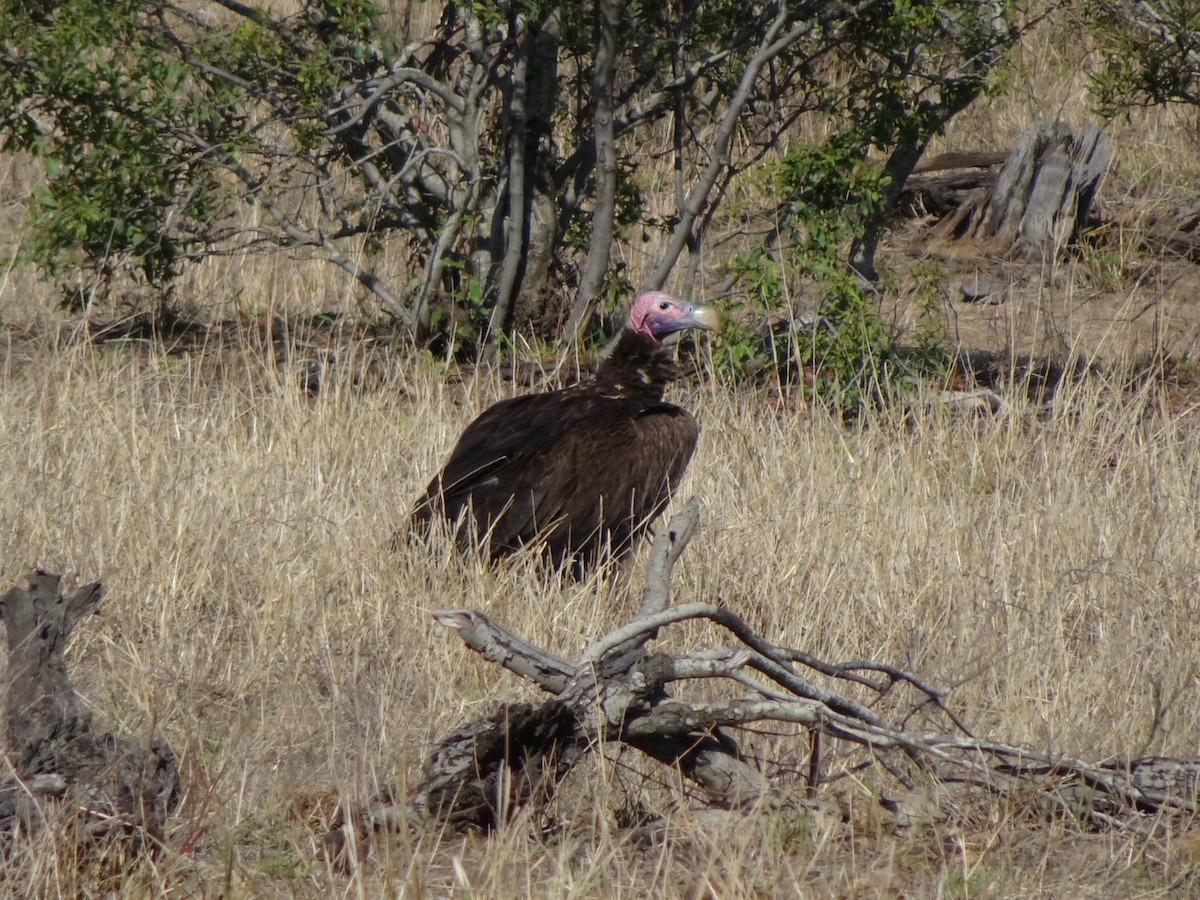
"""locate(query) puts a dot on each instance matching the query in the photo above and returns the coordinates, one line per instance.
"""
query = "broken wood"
(616, 692)
(939, 195)
(960, 159)
(110, 786)
(1040, 198)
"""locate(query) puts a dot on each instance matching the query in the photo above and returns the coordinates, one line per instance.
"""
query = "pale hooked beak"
(704, 317)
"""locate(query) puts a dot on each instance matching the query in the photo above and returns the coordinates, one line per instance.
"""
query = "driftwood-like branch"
(496, 644)
(113, 787)
(616, 692)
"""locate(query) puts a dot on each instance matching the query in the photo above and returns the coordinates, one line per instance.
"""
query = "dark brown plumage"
(585, 469)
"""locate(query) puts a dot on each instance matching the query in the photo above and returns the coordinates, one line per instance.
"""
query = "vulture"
(581, 471)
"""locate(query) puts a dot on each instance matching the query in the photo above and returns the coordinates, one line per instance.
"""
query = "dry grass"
(1047, 569)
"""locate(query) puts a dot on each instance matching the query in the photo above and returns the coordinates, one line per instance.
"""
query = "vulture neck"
(639, 367)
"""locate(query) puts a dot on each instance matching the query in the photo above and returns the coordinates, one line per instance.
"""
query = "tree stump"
(113, 787)
(1040, 198)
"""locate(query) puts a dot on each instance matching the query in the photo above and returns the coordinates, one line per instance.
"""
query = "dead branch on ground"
(617, 692)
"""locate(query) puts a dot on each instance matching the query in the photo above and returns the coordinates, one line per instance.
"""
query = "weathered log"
(941, 195)
(111, 786)
(1040, 198)
(960, 159)
(491, 768)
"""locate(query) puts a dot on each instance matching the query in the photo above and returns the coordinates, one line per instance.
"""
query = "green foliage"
(738, 353)
(157, 124)
(136, 127)
(278, 854)
(457, 334)
(965, 884)
(895, 93)
(930, 356)
(1151, 53)
(86, 89)
(832, 194)
(827, 191)
(846, 357)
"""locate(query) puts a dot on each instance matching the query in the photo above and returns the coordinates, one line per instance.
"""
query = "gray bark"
(111, 787)
(529, 233)
(514, 226)
(1041, 196)
(898, 167)
(600, 242)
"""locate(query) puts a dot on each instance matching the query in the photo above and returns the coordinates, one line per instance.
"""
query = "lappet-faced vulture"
(583, 470)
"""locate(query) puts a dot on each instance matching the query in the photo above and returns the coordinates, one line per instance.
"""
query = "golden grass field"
(1043, 568)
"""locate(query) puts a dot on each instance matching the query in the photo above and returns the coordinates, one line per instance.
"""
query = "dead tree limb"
(111, 786)
(616, 692)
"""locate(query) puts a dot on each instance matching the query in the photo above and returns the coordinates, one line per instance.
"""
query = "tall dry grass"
(1042, 569)
(1045, 570)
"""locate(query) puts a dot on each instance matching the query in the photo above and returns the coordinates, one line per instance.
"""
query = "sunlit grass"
(1042, 567)
(1045, 569)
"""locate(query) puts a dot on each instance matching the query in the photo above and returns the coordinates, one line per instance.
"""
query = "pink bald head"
(657, 314)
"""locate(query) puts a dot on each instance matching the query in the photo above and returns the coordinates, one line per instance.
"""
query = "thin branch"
(301, 237)
(499, 645)
(379, 88)
(615, 690)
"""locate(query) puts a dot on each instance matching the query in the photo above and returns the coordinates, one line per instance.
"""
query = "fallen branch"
(616, 691)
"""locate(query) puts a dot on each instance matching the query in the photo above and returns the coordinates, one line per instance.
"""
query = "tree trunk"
(600, 243)
(899, 166)
(524, 295)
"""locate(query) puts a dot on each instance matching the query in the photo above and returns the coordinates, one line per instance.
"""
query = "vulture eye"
(664, 306)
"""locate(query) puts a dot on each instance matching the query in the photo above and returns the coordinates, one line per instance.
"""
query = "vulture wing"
(579, 471)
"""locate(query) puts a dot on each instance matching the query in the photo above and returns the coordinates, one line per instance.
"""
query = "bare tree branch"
(616, 691)
(604, 140)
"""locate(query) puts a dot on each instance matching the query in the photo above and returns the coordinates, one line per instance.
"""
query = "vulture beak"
(661, 315)
(689, 316)
(704, 317)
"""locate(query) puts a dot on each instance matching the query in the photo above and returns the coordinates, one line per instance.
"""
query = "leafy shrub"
(843, 355)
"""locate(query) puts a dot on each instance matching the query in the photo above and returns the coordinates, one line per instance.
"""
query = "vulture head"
(660, 315)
